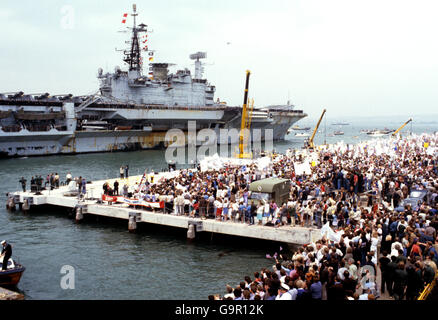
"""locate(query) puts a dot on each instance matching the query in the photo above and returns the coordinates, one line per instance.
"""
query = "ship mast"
(133, 56)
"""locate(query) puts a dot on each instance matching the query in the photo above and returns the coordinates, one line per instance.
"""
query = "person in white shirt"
(356, 238)
(396, 243)
(225, 210)
(374, 241)
(352, 269)
(217, 206)
(235, 209)
(341, 272)
(320, 253)
(339, 252)
(283, 293)
(68, 178)
(229, 292)
(394, 250)
(179, 204)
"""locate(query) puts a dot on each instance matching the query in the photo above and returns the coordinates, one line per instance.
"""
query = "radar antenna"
(199, 69)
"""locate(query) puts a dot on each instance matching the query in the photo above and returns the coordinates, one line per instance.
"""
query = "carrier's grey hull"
(56, 142)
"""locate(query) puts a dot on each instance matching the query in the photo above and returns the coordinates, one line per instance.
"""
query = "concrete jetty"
(6, 294)
(92, 204)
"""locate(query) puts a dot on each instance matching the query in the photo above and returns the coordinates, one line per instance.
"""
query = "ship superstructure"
(157, 87)
(132, 110)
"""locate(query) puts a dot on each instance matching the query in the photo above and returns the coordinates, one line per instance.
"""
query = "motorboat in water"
(379, 133)
(12, 275)
(302, 134)
(338, 133)
(299, 128)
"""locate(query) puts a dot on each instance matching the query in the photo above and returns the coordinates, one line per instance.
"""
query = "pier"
(6, 294)
(92, 204)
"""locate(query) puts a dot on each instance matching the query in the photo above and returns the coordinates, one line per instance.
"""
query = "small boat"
(364, 131)
(302, 134)
(340, 124)
(379, 133)
(12, 275)
(299, 128)
(338, 133)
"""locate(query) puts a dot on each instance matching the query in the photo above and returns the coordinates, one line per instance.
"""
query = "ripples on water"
(109, 262)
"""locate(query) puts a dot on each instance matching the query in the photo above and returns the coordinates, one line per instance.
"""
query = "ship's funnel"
(160, 71)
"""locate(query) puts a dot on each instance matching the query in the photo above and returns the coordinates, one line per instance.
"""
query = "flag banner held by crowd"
(330, 234)
(302, 168)
(136, 202)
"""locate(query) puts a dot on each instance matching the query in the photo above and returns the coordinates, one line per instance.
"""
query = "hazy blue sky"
(351, 57)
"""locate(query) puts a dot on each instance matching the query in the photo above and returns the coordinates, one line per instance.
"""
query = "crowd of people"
(37, 182)
(359, 192)
(368, 235)
(341, 189)
(51, 182)
(348, 269)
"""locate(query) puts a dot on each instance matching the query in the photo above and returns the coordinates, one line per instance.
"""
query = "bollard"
(79, 215)
(191, 232)
(132, 223)
(11, 204)
(25, 207)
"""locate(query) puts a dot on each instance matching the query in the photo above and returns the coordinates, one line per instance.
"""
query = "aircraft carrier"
(132, 110)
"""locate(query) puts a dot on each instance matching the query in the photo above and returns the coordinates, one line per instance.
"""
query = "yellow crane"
(245, 124)
(398, 130)
(310, 143)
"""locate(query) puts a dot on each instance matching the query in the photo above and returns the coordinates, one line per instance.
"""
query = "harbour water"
(111, 263)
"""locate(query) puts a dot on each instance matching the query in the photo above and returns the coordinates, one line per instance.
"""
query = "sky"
(354, 58)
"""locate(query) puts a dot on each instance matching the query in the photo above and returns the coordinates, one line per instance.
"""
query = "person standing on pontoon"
(23, 183)
(68, 178)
